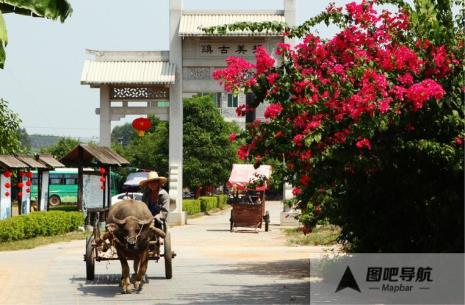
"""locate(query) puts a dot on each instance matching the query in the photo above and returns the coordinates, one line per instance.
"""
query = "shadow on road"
(289, 269)
(293, 293)
(105, 285)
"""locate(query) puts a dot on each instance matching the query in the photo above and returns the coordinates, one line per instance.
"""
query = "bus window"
(71, 179)
(56, 179)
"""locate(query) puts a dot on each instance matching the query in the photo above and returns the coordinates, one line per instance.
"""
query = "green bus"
(63, 186)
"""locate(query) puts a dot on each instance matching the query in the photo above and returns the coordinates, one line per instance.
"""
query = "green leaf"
(50, 9)
(3, 32)
(3, 40)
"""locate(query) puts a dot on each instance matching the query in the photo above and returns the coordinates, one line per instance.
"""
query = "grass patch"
(41, 241)
(324, 235)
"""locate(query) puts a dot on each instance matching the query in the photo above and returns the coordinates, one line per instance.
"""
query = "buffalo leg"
(143, 262)
(125, 281)
(136, 264)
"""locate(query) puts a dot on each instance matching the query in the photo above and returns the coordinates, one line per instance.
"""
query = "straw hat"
(153, 176)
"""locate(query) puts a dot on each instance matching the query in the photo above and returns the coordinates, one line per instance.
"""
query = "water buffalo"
(130, 227)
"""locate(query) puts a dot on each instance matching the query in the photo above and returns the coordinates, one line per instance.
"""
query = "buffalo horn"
(123, 221)
(158, 232)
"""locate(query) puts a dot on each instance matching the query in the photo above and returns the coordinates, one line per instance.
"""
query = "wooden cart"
(249, 204)
(105, 253)
(249, 210)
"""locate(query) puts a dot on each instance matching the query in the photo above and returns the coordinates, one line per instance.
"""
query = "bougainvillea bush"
(369, 126)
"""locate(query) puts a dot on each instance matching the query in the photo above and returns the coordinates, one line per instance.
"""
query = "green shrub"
(208, 203)
(191, 206)
(66, 208)
(39, 224)
(222, 201)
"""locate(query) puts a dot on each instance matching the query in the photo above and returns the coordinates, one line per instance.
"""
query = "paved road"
(213, 266)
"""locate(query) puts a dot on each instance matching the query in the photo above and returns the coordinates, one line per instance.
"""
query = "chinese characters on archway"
(228, 49)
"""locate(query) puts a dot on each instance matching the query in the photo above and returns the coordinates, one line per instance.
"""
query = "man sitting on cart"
(155, 197)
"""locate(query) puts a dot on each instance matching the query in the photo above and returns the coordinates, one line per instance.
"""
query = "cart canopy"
(244, 174)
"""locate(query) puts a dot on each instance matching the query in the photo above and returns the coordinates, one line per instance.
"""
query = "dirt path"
(213, 266)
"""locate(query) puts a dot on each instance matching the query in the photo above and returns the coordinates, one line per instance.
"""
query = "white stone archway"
(162, 78)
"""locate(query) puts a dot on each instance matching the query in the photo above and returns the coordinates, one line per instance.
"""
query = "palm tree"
(50, 9)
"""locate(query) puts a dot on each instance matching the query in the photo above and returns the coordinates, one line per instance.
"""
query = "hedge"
(66, 208)
(191, 206)
(222, 201)
(208, 203)
(39, 224)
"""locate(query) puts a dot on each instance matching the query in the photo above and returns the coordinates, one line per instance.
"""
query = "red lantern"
(102, 187)
(20, 194)
(102, 179)
(28, 183)
(7, 185)
(141, 125)
(20, 185)
(7, 194)
(102, 170)
(28, 190)
(7, 174)
(21, 173)
(29, 174)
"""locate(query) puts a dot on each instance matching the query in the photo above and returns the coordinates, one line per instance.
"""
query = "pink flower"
(459, 140)
(363, 143)
(339, 69)
(298, 139)
(405, 79)
(306, 155)
(419, 93)
(273, 110)
(271, 78)
(384, 104)
(283, 48)
(240, 110)
(264, 60)
(243, 152)
(296, 191)
(232, 137)
(305, 180)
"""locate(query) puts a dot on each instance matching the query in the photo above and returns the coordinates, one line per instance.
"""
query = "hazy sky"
(45, 58)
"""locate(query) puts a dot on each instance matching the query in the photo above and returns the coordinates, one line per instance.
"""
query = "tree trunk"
(197, 192)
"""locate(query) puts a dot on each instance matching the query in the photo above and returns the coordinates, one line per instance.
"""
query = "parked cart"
(248, 196)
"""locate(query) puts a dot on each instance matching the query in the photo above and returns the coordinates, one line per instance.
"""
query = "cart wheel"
(267, 221)
(231, 223)
(90, 259)
(168, 255)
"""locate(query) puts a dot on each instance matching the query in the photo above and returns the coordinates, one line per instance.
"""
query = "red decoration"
(102, 187)
(28, 190)
(20, 185)
(20, 194)
(7, 185)
(7, 174)
(7, 194)
(21, 173)
(102, 179)
(29, 174)
(102, 170)
(141, 125)
(28, 183)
